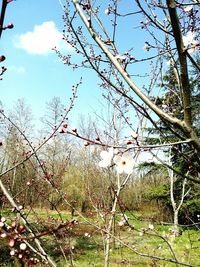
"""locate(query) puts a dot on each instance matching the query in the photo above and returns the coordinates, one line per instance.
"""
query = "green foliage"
(184, 159)
(190, 211)
(160, 192)
(148, 168)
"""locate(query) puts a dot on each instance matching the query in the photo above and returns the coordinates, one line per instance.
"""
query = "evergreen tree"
(184, 159)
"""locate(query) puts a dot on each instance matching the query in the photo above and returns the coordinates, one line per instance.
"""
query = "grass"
(82, 244)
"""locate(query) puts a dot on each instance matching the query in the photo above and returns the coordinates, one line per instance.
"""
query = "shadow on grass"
(84, 243)
(5, 258)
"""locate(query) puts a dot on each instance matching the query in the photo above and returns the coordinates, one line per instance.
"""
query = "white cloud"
(17, 69)
(41, 40)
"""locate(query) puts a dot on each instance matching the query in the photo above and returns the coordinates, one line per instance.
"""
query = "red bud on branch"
(2, 58)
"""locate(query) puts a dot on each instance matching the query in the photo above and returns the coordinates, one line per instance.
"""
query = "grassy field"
(83, 244)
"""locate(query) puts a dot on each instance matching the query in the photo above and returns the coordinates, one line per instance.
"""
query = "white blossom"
(121, 223)
(189, 38)
(106, 157)
(170, 62)
(107, 11)
(151, 227)
(87, 235)
(146, 46)
(23, 246)
(190, 41)
(164, 106)
(116, 151)
(188, 8)
(134, 134)
(124, 163)
(120, 58)
(3, 219)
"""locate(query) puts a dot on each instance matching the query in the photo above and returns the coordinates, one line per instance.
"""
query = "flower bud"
(2, 58)
(10, 26)
(3, 235)
(86, 143)
(21, 228)
(13, 225)
(20, 256)
(12, 253)
(11, 243)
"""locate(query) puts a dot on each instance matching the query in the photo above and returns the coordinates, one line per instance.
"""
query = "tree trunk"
(176, 219)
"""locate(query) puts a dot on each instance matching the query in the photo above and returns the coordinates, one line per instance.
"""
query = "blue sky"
(34, 71)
